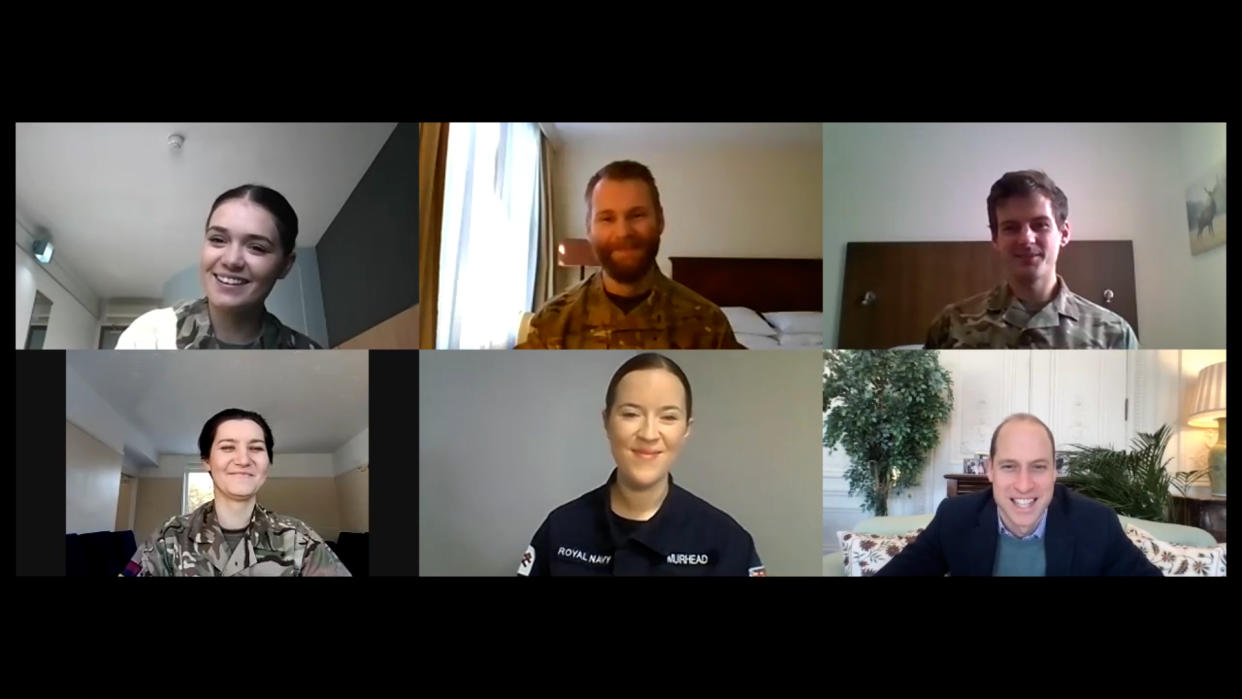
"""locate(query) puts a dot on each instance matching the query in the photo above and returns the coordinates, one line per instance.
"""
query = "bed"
(772, 303)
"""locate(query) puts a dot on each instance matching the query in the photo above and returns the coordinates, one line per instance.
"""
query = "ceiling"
(126, 211)
(691, 134)
(314, 401)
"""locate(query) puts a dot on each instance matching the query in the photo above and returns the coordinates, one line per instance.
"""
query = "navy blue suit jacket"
(1082, 537)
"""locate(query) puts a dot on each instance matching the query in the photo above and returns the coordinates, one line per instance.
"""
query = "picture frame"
(975, 465)
(1205, 210)
(1062, 461)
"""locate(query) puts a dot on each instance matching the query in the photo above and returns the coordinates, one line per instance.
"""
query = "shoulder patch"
(757, 572)
(528, 561)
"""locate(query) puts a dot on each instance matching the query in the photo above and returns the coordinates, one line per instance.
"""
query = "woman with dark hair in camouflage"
(247, 247)
(233, 534)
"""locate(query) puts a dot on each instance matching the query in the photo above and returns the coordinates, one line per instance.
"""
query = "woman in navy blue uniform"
(640, 522)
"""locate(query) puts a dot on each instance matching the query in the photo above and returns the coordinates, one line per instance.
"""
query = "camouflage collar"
(205, 532)
(1003, 300)
(204, 526)
(194, 330)
(596, 293)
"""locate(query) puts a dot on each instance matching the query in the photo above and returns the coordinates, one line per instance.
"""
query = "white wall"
(726, 201)
(505, 438)
(297, 300)
(352, 454)
(86, 409)
(92, 482)
(285, 466)
(920, 182)
(71, 324)
(1201, 147)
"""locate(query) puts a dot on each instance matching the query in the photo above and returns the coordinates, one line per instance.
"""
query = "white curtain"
(489, 234)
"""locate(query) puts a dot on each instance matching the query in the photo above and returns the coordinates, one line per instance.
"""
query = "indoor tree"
(885, 409)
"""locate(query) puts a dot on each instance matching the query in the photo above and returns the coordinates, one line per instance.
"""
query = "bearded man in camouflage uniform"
(1034, 307)
(629, 303)
(233, 535)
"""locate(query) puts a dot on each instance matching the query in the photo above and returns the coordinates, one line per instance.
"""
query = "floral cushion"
(864, 554)
(1175, 560)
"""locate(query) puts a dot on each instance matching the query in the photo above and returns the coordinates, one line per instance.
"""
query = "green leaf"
(884, 408)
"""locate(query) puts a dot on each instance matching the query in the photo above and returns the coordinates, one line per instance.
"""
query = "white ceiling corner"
(126, 212)
(315, 402)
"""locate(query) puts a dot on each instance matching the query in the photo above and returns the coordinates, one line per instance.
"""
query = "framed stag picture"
(1205, 210)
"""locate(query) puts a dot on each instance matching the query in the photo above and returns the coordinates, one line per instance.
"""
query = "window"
(34, 338)
(109, 334)
(489, 233)
(197, 489)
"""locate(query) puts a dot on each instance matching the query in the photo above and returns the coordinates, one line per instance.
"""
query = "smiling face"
(242, 257)
(238, 461)
(1023, 475)
(624, 228)
(647, 426)
(1028, 238)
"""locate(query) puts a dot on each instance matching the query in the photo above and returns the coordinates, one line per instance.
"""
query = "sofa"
(98, 554)
(354, 550)
(834, 565)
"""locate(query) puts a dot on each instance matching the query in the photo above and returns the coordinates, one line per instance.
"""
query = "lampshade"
(1209, 397)
(575, 252)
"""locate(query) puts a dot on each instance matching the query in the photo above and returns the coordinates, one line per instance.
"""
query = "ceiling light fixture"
(43, 250)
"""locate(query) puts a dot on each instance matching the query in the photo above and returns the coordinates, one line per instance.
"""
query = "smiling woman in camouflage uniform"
(233, 534)
(247, 247)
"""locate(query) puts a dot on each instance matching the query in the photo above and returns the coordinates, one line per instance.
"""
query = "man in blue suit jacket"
(1025, 525)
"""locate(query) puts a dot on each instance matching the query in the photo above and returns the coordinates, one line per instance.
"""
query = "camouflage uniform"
(194, 331)
(671, 317)
(273, 545)
(997, 319)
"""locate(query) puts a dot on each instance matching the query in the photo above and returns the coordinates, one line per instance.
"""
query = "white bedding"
(800, 340)
(796, 322)
(776, 330)
(744, 321)
(755, 342)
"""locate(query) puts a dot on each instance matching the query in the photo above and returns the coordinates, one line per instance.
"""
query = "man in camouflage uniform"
(232, 535)
(629, 303)
(1034, 308)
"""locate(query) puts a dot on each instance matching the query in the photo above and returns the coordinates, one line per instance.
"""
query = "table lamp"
(1209, 411)
(576, 252)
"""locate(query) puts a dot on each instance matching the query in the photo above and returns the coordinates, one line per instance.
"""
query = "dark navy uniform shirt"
(686, 536)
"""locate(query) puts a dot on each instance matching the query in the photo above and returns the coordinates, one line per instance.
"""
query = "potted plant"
(885, 409)
(1134, 482)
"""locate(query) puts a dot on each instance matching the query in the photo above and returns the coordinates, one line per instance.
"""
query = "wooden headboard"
(762, 284)
(909, 283)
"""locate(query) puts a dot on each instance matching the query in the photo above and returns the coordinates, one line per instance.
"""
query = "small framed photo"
(1062, 462)
(975, 465)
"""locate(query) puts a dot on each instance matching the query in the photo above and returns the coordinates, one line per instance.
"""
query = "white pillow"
(864, 554)
(801, 340)
(746, 322)
(797, 322)
(1176, 560)
(757, 341)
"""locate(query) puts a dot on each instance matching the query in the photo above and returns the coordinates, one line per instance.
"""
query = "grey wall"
(297, 300)
(368, 259)
(506, 437)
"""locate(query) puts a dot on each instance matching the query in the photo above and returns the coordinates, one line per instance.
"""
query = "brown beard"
(627, 274)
